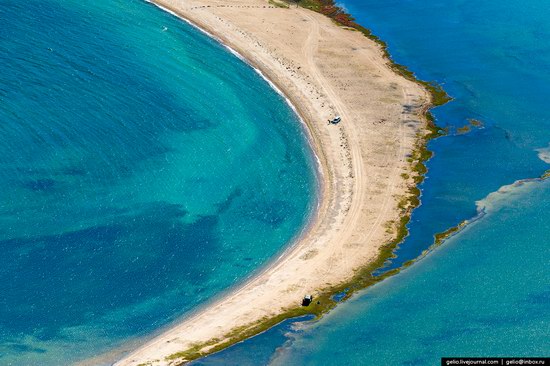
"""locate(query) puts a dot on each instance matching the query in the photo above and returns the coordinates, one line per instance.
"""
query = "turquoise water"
(486, 291)
(143, 168)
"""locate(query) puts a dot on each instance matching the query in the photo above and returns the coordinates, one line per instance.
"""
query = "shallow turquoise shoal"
(144, 170)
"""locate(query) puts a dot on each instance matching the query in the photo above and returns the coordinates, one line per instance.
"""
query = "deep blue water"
(137, 163)
(485, 292)
(493, 60)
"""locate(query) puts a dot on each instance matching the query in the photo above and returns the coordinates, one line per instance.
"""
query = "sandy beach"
(324, 70)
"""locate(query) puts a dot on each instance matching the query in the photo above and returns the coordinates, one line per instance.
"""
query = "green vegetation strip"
(278, 4)
(475, 122)
(323, 301)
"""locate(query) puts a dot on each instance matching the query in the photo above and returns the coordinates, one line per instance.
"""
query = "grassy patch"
(467, 128)
(475, 122)
(314, 5)
(464, 129)
(279, 4)
(444, 235)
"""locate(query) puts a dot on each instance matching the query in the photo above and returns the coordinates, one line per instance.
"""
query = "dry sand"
(325, 70)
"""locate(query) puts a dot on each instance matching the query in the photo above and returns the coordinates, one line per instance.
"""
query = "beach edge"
(361, 278)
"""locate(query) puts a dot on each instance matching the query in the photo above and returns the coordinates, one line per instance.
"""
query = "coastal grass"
(363, 277)
(279, 4)
(472, 123)
(464, 129)
(475, 122)
(441, 237)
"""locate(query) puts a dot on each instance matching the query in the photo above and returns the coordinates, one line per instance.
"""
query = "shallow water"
(485, 292)
(144, 169)
(491, 58)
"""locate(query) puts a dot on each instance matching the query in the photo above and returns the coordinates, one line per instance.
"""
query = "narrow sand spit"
(325, 70)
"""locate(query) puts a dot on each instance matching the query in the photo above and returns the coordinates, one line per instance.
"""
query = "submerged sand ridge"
(325, 70)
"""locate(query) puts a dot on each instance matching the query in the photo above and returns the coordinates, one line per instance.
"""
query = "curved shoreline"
(313, 146)
(326, 198)
(315, 150)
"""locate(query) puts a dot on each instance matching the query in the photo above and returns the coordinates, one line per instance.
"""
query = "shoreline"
(315, 150)
(314, 212)
(314, 153)
(305, 128)
(324, 174)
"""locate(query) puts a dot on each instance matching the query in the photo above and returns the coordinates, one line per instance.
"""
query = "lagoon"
(144, 170)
